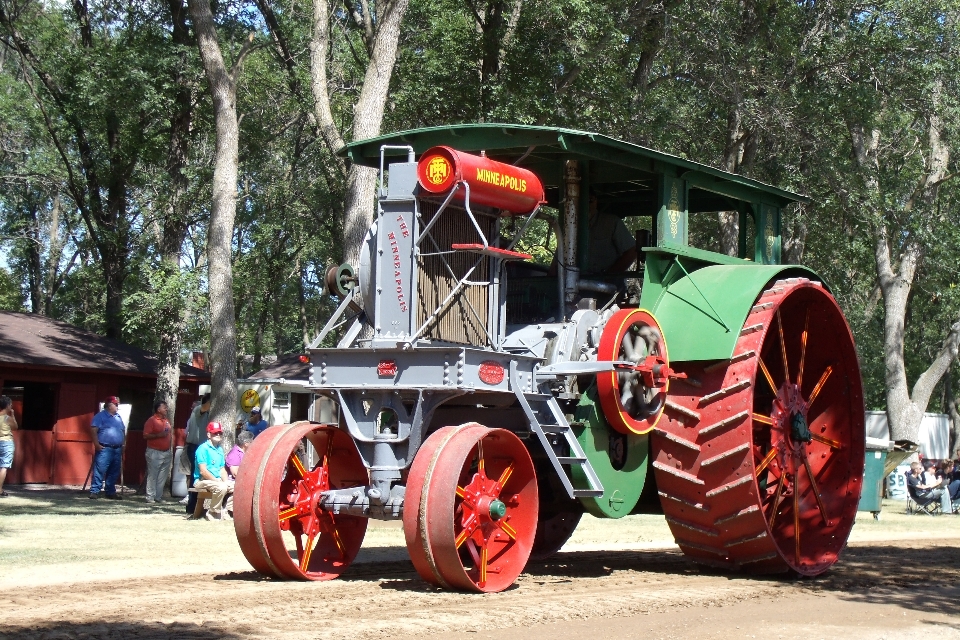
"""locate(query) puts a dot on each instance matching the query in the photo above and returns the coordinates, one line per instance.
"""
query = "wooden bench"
(203, 495)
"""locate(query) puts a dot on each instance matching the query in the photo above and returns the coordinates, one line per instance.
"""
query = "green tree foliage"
(774, 90)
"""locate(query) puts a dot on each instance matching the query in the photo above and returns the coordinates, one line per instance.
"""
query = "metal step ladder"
(546, 418)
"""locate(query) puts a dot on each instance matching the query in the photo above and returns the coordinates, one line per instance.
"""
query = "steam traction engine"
(489, 402)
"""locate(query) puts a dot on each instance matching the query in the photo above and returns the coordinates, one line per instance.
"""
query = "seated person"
(256, 424)
(950, 479)
(235, 457)
(210, 472)
(926, 486)
(612, 247)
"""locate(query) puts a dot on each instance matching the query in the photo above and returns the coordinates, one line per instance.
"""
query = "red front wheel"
(470, 512)
(279, 523)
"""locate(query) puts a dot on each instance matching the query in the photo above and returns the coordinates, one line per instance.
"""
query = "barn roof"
(286, 367)
(34, 340)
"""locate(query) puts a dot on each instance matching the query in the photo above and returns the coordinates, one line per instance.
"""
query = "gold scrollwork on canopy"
(770, 237)
(673, 211)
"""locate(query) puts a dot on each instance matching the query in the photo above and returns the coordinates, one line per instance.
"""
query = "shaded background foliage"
(768, 88)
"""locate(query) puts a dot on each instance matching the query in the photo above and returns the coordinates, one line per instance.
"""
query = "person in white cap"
(256, 424)
(210, 472)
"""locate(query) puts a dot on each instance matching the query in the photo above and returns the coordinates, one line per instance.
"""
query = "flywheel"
(633, 399)
(759, 459)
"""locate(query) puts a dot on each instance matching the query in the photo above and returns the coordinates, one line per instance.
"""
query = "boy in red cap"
(210, 472)
(108, 434)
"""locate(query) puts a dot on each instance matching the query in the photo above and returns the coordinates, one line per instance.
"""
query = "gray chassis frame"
(388, 391)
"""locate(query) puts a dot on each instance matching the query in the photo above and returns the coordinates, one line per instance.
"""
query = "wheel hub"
(799, 430)
(497, 510)
(790, 416)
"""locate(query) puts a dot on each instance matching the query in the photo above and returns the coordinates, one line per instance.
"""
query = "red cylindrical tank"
(492, 183)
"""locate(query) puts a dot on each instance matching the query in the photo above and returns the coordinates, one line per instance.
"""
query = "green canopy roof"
(619, 173)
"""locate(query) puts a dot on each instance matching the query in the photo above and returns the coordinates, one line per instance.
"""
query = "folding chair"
(929, 505)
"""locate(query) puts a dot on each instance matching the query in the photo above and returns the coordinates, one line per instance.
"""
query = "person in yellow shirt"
(8, 425)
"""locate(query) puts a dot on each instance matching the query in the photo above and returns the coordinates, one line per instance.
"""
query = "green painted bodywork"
(621, 487)
(701, 299)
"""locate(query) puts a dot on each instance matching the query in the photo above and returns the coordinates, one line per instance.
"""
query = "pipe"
(571, 216)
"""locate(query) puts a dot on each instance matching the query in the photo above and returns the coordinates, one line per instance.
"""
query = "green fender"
(701, 299)
(603, 445)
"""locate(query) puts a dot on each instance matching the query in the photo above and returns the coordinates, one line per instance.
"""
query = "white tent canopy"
(934, 433)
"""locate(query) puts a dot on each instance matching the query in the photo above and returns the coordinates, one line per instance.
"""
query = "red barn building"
(57, 376)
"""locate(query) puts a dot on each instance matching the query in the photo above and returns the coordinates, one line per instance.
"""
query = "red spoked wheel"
(470, 508)
(760, 466)
(251, 469)
(277, 504)
(630, 402)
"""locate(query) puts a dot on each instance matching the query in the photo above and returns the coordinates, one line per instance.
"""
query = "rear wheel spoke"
(803, 349)
(796, 517)
(776, 499)
(783, 350)
(833, 444)
(766, 374)
(816, 491)
(767, 459)
(819, 387)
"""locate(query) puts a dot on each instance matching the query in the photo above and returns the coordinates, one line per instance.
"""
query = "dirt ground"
(74, 568)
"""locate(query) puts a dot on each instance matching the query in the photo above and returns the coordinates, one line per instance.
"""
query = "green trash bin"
(873, 476)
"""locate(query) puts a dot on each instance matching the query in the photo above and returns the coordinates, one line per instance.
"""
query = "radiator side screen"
(463, 319)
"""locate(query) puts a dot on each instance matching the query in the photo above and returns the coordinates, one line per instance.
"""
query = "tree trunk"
(904, 408)
(51, 283)
(223, 338)
(358, 208)
(35, 266)
(113, 265)
(302, 301)
(367, 113)
(728, 222)
(175, 219)
(953, 410)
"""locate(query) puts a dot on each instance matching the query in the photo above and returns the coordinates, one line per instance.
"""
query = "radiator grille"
(465, 318)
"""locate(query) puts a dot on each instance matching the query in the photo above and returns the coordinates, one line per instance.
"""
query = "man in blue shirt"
(210, 472)
(256, 424)
(108, 434)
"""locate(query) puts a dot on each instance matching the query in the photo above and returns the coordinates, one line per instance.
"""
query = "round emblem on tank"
(438, 169)
(491, 372)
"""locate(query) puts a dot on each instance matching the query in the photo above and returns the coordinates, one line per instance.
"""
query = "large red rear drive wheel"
(470, 513)
(281, 528)
(759, 460)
